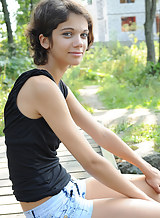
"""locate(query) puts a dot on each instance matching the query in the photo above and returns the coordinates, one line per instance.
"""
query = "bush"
(128, 83)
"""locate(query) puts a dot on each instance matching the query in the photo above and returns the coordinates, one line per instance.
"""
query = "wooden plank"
(72, 166)
(66, 158)
(66, 152)
(110, 157)
(10, 209)
(5, 183)
(3, 154)
(70, 158)
(89, 139)
(2, 148)
(6, 191)
(7, 200)
(13, 216)
(80, 175)
(3, 165)
(3, 160)
(2, 139)
(4, 174)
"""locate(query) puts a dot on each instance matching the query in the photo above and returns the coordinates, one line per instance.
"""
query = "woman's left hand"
(153, 179)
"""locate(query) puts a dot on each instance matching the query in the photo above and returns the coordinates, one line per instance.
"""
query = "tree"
(24, 11)
(23, 18)
(150, 10)
(159, 34)
(7, 22)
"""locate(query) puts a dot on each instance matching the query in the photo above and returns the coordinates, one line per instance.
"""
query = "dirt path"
(116, 116)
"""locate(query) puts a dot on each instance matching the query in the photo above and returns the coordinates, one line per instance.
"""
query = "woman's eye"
(84, 35)
(67, 34)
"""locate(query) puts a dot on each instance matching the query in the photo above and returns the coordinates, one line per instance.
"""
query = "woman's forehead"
(74, 21)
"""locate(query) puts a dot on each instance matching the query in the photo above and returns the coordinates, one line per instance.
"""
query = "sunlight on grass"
(134, 134)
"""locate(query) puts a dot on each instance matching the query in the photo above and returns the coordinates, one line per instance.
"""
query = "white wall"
(107, 19)
(116, 10)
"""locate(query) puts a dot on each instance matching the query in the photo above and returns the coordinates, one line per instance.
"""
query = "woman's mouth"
(76, 53)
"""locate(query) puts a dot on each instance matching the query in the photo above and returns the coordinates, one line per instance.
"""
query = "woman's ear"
(44, 41)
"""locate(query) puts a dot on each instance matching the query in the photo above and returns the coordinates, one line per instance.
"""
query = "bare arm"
(110, 141)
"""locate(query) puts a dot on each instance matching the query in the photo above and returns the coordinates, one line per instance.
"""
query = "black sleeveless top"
(34, 167)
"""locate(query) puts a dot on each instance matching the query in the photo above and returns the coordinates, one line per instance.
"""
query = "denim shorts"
(70, 202)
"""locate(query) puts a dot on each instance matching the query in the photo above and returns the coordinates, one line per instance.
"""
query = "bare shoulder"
(42, 86)
(34, 93)
(41, 82)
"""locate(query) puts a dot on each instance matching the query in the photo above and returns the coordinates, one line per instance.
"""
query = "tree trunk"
(159, 35)
(7, 21)
(150, 10)
(31, 2)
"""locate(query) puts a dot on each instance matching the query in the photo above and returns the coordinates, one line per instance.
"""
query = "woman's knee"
(140, 182)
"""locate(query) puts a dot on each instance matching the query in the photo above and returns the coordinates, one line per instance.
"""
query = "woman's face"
(70, 41)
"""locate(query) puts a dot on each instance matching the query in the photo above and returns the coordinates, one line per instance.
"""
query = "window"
(158, 23)
(127, 1)
(128, 24)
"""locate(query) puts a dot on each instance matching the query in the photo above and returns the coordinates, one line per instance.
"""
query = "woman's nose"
(78, 42)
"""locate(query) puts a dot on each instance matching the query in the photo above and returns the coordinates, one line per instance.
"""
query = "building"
(119, 19)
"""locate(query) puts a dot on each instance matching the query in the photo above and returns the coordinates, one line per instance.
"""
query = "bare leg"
(96, 190)
(125, 208)
(108, 203)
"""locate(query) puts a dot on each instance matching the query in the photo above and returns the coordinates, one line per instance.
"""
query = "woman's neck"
(56, 72)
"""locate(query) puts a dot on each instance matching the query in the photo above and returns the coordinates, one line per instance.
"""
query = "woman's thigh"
(96, 190)
(124, 208)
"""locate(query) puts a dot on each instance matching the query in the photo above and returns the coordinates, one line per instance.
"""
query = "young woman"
(41, 112)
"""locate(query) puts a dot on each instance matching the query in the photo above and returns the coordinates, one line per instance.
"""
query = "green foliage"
(134, 134)
(2, 103)
(128, 83)
(24, 11)
(153, 69)
(3, 97)
(14, 66)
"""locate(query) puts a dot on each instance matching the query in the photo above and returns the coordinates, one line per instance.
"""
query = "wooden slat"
(5, 183)
(80, 175)
(13, 216)
(8, 200)
(10, 209)
(5, 191)
(3, 165)
(3, 154)
(4, 174)
(3, 160)
(66, 152)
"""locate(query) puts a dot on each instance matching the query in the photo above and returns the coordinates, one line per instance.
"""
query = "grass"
(134, 134)
(118, 95)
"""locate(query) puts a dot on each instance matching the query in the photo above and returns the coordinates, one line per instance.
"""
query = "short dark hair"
(47, 15)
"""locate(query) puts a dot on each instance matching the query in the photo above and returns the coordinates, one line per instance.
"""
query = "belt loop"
(33, 214)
